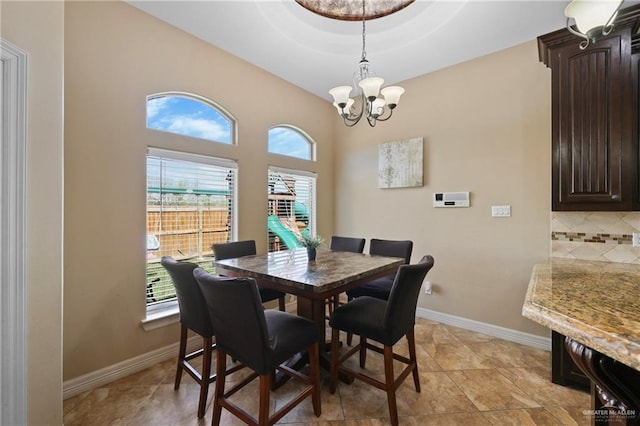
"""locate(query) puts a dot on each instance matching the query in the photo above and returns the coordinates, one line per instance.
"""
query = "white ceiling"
(317, 53)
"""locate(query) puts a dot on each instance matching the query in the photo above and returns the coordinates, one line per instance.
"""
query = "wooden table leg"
(313, 310)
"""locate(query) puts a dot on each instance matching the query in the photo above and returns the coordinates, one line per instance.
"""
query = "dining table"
(313, 282)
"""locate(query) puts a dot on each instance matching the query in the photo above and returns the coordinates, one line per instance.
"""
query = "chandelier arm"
(352, 117)
(584, 43)
(349, 123)
(608, 27)
(387, 117)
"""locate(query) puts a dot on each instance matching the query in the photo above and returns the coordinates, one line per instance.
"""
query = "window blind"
(190, 206)
(291, 208)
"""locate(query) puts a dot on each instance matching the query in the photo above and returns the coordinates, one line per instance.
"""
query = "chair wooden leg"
(182, 352)
(390, 385)
(265, 391)
(206, 373)
(412, 356)
(349, 334)
(282, 304)
(363, 352)
(335, 338)
(221, 375)
(334, 305)
(314, 366)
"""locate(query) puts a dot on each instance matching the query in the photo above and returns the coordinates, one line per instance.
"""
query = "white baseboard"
(528, 339)
(125, 368)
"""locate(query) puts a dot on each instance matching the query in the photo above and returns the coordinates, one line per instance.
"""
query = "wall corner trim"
(13, 234)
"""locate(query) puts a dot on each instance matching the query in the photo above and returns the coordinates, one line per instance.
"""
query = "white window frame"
(167, 313)
(306, 174)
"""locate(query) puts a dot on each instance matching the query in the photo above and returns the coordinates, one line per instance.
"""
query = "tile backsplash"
(602, 236)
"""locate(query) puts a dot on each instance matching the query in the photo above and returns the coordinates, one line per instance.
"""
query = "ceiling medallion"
(351, 10)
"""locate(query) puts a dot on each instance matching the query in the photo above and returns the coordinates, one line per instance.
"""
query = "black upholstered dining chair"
(247, 248)
(355, 245)
(385, 322)
(260, 339)
(194, 315)
(338, 243)
(381, 287)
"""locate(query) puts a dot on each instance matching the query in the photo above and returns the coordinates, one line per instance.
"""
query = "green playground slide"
(285, 235)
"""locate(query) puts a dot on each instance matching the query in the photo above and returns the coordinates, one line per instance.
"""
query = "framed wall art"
(400, 164)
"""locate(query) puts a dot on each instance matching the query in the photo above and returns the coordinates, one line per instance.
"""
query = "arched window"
(190, 115)
(292, 142)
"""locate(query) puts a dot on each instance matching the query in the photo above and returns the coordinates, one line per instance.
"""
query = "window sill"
(161, 318)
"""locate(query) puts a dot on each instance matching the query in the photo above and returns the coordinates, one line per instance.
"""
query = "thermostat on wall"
(451, 199)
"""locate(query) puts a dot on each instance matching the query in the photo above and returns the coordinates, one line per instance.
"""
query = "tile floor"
(467, 379)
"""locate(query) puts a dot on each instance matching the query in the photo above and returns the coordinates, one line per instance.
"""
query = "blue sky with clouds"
(191, 117)
(188, 117)
(287, 141)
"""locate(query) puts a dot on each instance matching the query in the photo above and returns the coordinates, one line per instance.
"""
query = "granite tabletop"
(330, 270)
(595, 303)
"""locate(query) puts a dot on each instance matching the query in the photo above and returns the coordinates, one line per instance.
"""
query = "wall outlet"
(427, 287)
(635, 239)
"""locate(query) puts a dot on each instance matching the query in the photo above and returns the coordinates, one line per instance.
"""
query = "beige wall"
(37, 28)
(116, 55)
(486, 126)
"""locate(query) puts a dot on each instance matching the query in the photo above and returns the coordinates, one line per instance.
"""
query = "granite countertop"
(595, 303)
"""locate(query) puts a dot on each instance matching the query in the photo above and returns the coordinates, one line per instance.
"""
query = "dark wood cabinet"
(635, 74)
(563, 370)
(594, 119)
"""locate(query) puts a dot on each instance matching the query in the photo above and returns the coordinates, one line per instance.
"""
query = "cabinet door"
(592, 103)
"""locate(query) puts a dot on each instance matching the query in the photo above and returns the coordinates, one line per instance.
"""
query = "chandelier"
(593, 18)
(374, 103)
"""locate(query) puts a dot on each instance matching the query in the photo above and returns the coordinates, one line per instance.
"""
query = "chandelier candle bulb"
(377, 107)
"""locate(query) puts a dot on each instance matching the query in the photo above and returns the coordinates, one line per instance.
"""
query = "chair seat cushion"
(293, 334)
(364, 316)
(379, 288)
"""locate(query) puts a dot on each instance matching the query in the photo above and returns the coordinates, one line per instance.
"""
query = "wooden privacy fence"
(187, 231)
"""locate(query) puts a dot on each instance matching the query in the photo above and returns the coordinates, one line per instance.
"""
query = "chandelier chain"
(364, 51)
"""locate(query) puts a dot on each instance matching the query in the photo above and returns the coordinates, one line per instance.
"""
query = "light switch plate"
(500, 211)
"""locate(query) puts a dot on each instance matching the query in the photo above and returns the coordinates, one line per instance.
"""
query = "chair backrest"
(355, 245)
(234, 249)
(194, 313)
(391, 248)
(400, 315)
(238, 318)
